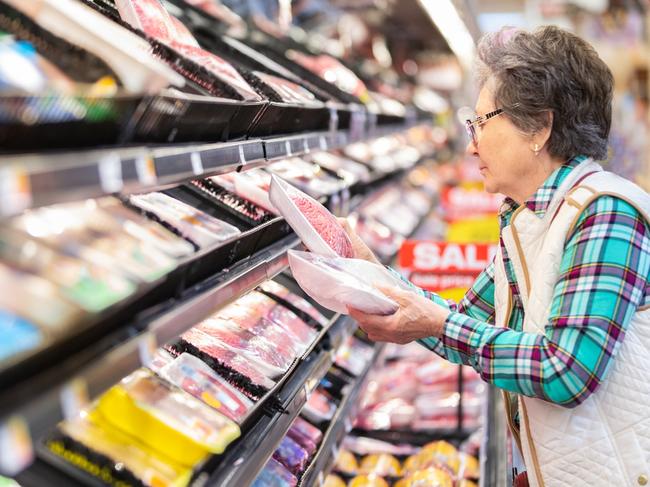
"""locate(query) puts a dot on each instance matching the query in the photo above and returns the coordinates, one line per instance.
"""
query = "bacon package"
(194, 376)
(276, 289)
(275, 474)
(337, 283)
(315, 225)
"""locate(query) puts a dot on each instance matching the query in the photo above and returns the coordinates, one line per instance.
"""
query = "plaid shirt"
(604, 278)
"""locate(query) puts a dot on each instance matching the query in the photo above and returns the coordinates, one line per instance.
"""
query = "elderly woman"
(561, 317)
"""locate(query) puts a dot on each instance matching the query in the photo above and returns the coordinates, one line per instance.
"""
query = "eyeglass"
(472, 125)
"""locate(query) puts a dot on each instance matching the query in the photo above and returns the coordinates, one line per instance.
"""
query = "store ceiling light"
(445, 17)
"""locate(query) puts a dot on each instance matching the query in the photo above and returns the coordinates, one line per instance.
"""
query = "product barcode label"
(16, 449)
(110, 173)
(197, 163)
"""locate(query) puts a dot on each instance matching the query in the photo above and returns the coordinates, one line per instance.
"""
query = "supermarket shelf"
(66, 389)
(339, 427)
(494, 455)
(40, 179)
(244, 459)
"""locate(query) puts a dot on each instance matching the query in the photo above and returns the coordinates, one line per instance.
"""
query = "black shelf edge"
(45, 408)
(339, 427)
(245, 458)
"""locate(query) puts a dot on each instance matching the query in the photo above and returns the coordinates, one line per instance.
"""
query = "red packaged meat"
(306, 434)
(320, 407)
(228, 357)
(315, 225)
(290, 322)
(291, 455)
(149, 16)
(194, 376)
(275, 474)
(288, 91)
(302, 304)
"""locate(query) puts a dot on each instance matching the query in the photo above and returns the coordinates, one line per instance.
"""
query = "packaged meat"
(165, 418)
(308, 430)
(275, 474)
(113, 457)
(320, 407)
(391, 414)
(289, 92)
(254, 185)
(346, 462)
(302, 304)
(316, 227)
(289, 321)
(242, 207)
(381, 464)
(333, 481)
(200, 227)
(353, 355)
(226, 357)
(337, 283)
(307, 177)
(149, 16)
(194, 376)
(305, 443)
(351, 171)
(368, 481)
(291, 455)
(18, 336)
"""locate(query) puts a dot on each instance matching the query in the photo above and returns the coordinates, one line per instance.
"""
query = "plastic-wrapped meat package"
(198, 226)
(289, 321)
(391, 414)
(291, 455)
(438, 411)
(394, 380)
(348, 169)
(353, 355)
(306, 434)
(288, 91)
(275, 474)
(165, 418)
(315, 225)
(228, 357)
(339, 284)
(307, 176)
(254, 185)
(149, 16)
(247, 343)
(215, 188)
(320, 407)
(381, 239)
(194, 376)
(302, 304)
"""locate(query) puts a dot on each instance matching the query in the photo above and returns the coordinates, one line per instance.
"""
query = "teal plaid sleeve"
(478, 303)
(604, 278)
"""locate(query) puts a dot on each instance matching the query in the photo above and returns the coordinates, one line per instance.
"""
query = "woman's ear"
(540, 138)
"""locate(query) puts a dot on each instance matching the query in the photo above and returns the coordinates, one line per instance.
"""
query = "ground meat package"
(315, 225)
(337, 283)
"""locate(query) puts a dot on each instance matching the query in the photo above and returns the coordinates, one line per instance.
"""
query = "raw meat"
(291, 455)
(307, 429)
(288, 91)
(149, 16)
(326, 225)
(280, 291)
(291, 323)
(320, 407)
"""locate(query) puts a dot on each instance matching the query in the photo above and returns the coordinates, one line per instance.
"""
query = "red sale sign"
(460, 202)
(445, 258)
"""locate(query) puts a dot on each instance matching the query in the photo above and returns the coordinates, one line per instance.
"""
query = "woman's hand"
(417, 317)
(360, 249)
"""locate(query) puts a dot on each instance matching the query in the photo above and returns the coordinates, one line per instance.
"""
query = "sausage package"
(315, 225)
(337, 283)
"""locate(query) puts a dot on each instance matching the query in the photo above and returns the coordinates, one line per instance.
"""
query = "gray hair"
(553, 70)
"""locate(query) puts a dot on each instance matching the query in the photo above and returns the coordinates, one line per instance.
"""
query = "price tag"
(242, 157)
(110, 173)
(287, 146)
(323, 142)
(16, 449)
(305, 146)
(146, 170)
(74, 398)
(15, 190)
(147, 346)
(197, 163)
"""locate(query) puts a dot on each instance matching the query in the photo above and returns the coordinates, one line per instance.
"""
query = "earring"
(536, 150)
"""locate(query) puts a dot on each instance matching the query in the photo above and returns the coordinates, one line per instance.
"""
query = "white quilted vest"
(605, 441)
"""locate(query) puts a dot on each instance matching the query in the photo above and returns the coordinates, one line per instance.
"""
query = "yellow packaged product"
(467, 483)
(440, 451)
(368, 481)
(431, 477)
(346, 462)
(469, 466)
(114, 457)
(165, 418)
(333, 481)
(381, 464)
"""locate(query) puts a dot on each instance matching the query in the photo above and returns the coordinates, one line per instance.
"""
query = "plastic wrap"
(242, 207)
(307, 177)
(290, 322)
(337, 283)
(368, 481)
(165, 418)
(198, 226)
(316, 227)
(195, 377)
(430, 477)
(282, 292)
(320, 407)
(289, 92)
(254, 185)
(350, 170)
(275, 474)
(353, 355)
(382, 464)
(346, 462)
(291, 455)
